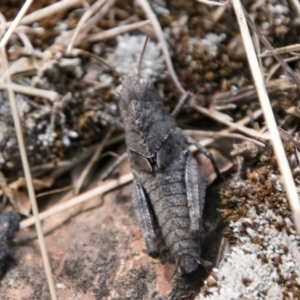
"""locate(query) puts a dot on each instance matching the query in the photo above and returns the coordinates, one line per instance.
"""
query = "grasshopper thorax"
(147, 123)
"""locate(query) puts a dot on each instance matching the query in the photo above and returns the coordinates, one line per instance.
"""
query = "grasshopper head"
(134, 88)
(146, 122)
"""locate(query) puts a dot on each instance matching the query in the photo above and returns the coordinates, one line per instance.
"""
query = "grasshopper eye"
(141, 163)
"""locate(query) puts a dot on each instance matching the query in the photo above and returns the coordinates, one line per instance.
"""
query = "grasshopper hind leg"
(195, 189)
(144, 216)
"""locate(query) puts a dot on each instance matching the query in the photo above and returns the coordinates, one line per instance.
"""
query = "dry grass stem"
(62, 166)
(241, 122)
(246, 94)
(223, 249)
(107, 34)
(23, 64)
(295, 5)
(2, 21)
(44, 12)
(257, 47)
(107, 5)
(281, 50)
(65, 165)
(86, 16)
(287, 137)
(160, 36)
(28, 90)
(214, 134)
(285, 170)
(235, 126)
(267, 44)
(29, 30)
(28, 48)
(277, 66)
(100, 190)
(91, 162)
(110, 154)
(56, 191)
(218, 13)
(14, 24)
(22, 148)
(63, 41)
(213, 2)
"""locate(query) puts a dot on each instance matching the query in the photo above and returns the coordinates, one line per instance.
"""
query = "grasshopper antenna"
(106, 64)
(98, 59)
(142, 55)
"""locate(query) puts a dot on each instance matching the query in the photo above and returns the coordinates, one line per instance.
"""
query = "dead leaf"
(17, 194)
(20, 200)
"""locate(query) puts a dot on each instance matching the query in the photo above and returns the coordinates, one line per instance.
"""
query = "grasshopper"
(168, 183)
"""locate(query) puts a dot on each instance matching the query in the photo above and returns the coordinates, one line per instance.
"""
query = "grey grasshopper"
(168, 183)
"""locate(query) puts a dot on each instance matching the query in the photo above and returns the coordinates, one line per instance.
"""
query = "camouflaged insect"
(168, 183)
(9, 225)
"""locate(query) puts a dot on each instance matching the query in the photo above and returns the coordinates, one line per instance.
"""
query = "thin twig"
(275, 88)
(89, 12)
(267, 44)
(93, 20)
(28, 90)
(215, 134)
(276, 67)
(63, 41)
(26, 42)
(160, 36)
(22, 148)
(56, 191)
(257, 47)
(100, 190)
(213, 2)
(281, 50)
(218, 13)
(2, 21)
(295, 5)
(14, 24)
(29, 30)
(285, 170)
(241, 122)
(22, 65)
(110, 33)
(243, 129)
(91, 162)
(44, 12)
(68, 164)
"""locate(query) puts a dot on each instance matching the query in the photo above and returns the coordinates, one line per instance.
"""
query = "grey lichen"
(265, 261)
(126, 55)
